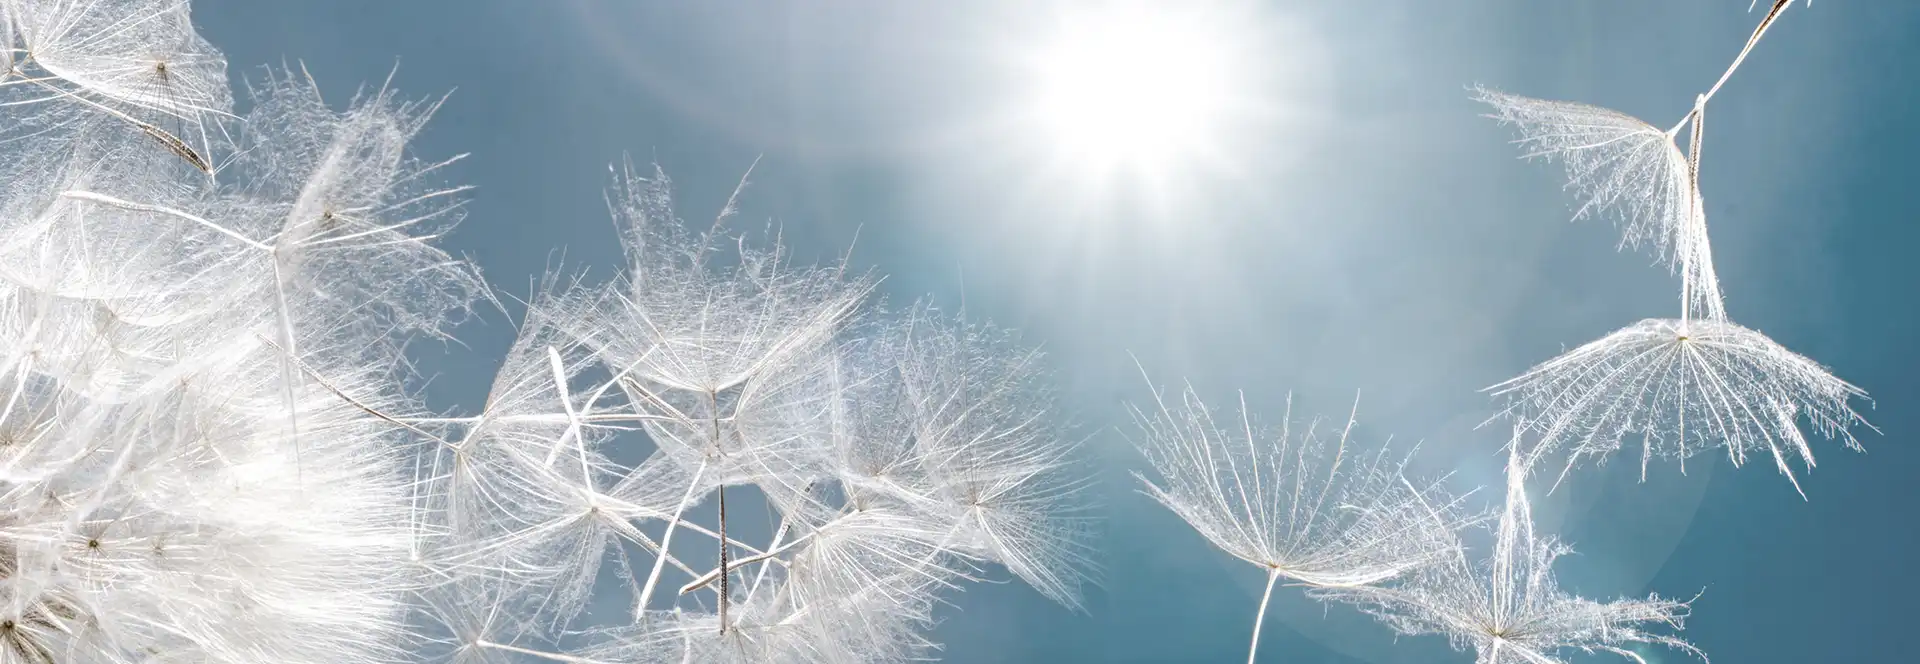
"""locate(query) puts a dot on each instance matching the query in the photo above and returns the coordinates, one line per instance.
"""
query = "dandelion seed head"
(1678, 388)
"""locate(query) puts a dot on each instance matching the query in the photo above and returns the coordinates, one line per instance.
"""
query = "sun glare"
(1135, 88)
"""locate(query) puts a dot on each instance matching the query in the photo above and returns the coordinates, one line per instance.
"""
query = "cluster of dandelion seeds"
(903, 452)
(209, 450)
(1675, 386)
(1348, 524)
(184, 474)
(1679, 386)
(1508, 607)
(1358, 531)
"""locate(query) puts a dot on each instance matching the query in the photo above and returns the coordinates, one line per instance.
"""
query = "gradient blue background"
(1375, 235)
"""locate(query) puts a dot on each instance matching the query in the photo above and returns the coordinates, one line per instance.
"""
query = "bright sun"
(1133, 88)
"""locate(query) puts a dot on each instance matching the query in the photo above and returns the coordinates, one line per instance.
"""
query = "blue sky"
(1370, 233)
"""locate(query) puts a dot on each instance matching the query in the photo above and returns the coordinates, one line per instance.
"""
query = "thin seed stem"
(1773, 14)
(104, 199)
(659, 562)
(724, 574)
(709, 577)
(779, 536)
(554, 656)
(713, 413)
(1273, 575)
(1694, 141)
(573, 419)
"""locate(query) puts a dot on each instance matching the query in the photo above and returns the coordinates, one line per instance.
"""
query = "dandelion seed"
(1679, 388)
(1509, 607)
(139, 60)
(1617, 163)
(177, 146)
(1298, 505)
(993, 458)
